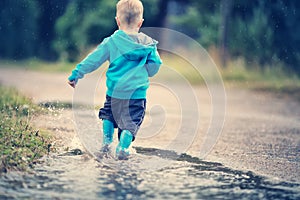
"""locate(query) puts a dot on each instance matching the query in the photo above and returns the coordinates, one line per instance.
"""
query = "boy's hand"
(72, 83)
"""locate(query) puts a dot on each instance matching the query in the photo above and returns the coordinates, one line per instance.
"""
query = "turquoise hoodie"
(133, 59)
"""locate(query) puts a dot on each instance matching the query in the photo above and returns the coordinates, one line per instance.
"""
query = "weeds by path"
(20, 144)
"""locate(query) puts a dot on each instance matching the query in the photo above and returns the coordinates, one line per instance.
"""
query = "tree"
(251, 35)
(18, 28)
(266, 32)
(151, 13)
(200, 20)
(49, 10)
(226, 6)
(84, 24)
(285, 16)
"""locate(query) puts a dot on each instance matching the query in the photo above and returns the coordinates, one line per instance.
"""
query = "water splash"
(71, 176)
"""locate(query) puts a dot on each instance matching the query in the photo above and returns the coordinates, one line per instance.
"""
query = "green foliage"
(265, 32)
(84, 24)
(87, 22)
(262, 31)
(150, 12)
(49, 11)
(13, 104)
(256, 35)
(285, 17)
(18, 28)
(20, 144)
(200, 24)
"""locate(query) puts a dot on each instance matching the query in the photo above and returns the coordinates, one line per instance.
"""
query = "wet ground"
(256, 156)
(180, 177)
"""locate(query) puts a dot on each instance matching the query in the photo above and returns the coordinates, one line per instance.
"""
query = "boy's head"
(129, 14)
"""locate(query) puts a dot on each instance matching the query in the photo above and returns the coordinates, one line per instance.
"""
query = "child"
(133, 58)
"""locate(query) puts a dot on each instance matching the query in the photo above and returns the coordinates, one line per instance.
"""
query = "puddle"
(148, 174)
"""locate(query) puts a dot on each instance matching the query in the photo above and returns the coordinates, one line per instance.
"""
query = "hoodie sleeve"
(92, 62)
(153, 62)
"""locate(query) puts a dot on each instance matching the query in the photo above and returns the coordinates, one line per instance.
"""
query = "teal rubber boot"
(122, 151)
(108, 132)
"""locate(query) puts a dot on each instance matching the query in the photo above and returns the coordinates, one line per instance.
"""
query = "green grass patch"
(38, 65)
(20, 144)
(276, 77)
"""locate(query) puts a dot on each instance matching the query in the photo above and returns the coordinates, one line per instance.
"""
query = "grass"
(238, 73)
(275, 79)
(20, 144)
(38, 65)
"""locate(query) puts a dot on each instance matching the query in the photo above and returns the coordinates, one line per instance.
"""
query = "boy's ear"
(118, 21)
(140, 23)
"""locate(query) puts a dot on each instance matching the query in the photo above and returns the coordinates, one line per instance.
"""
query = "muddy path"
(261, 132)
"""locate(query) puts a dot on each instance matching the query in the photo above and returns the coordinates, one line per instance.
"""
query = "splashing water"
(180, 177)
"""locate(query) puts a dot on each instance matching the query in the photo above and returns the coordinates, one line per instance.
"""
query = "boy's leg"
(109, 124)
(129, 115)
(108, 132)
(122, 151)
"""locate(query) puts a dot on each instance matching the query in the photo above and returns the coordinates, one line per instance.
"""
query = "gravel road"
(261, 132)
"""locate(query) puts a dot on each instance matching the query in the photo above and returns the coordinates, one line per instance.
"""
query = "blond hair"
(130, 12)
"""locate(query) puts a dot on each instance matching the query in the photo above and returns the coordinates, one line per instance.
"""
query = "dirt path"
(261, 131)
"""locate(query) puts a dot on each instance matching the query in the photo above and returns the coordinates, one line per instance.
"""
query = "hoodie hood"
(133, 46)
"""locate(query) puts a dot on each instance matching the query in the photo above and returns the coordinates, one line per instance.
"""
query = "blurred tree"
(50, 10)
(262, 31)
(200, 20)
(225, 12)
(251, 35)
(151, 13)
(285, 17)
(84, 24)
(162, 14)
(18, 28)
(266, 32)
(87, 22)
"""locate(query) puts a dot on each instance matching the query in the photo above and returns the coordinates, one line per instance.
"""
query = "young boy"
(133, 58)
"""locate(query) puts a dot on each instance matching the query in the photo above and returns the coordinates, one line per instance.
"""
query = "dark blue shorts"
(125, 114)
